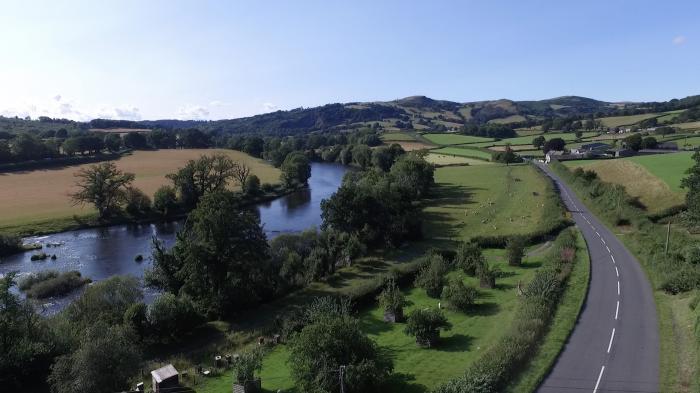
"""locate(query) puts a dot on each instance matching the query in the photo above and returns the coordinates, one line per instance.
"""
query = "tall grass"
(50, 283)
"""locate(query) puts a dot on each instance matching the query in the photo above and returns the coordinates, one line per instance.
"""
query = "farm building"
(553, 155)
(164, 379)
(591, 148)
(617, 153)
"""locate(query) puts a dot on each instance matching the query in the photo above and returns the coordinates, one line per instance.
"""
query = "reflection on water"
(100, 253)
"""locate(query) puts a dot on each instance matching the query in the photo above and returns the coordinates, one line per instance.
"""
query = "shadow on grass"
(371, 325)
(455, 343)
(403, 383)
(485, 309)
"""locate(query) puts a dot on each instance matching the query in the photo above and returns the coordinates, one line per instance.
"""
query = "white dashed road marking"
(611, 340)
(599, 377)
(617, 309)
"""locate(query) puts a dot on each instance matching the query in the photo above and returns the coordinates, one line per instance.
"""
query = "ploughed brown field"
(43, 194)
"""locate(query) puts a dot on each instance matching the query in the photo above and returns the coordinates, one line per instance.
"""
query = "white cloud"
(127, 113)
(57, 97)
(679, 40)
(269, 107)
(60, 108)
(193, 112)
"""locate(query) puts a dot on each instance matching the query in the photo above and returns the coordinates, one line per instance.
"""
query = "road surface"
(615, 343)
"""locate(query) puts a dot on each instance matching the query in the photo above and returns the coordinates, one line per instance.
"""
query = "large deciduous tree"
(102, 185)
(204, 175)
(296, 169)
(219, 259)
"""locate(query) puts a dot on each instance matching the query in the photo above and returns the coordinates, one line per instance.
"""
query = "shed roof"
(164, 373)
(595, 145)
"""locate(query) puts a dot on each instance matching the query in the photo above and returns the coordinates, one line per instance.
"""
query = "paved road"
(615, 344)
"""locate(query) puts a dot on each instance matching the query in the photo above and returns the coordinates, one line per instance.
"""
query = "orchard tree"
(425, 326)
(102, 185)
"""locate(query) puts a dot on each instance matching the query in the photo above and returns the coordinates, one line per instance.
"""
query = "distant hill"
(414, 112)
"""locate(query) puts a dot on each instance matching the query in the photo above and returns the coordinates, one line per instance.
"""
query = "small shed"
(165, 378)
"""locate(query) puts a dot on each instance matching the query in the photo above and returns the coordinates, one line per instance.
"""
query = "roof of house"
(555, 152)
(164, 373)
(595, 145)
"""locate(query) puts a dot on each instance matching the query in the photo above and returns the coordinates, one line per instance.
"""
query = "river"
(99, 253)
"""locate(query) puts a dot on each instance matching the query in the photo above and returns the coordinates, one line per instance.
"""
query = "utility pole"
(668, 235)
(342, 379)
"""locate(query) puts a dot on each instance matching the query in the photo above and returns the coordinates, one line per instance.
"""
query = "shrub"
(431, 276)
(165, 200)
(425, 325)
(458, 295)
(267, 188)
(516, 250)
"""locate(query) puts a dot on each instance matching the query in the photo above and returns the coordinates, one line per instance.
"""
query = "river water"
(99, 253)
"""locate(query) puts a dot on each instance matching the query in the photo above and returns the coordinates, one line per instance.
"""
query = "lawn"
(486, 200)
(688, 126)
(453, 139)
(41, 196)
(410, 145)
(463, 152)
(397, 136)
(654, 179)
(444, 159)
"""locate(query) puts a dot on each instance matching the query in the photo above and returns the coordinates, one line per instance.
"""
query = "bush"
(516, 250)
(459, 296)
(431, 275)
(41, 256)
(267, 188)
(425, 325)
(165, 200)
(170, 317)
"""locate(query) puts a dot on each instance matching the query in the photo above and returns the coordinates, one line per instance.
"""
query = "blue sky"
(225, 59)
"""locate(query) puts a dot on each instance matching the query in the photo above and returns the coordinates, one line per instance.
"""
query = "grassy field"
(41, 196)
(654, 190)
(485, 200)
(693, 125)
(410, 146)
(617, 121)
(463, 152)
(509, 119)
(527, 140)
(444, 159)
(397, 136)
(453, 139)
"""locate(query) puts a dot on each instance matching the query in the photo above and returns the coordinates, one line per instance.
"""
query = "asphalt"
(614, 346)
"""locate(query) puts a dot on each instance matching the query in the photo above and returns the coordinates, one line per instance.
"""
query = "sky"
(155, 59)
